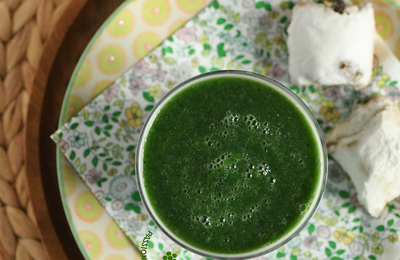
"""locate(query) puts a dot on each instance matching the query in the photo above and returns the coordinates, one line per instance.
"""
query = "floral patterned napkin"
(230, 34)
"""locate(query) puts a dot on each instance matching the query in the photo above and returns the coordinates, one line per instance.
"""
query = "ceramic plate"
(134, 29)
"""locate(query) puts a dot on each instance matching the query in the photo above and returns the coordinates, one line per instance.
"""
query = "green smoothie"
(231, 165)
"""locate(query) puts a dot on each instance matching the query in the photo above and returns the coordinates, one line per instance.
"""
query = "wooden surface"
(77, 25)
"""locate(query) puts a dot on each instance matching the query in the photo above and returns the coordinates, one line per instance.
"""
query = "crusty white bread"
(367, 146)
(329, 48)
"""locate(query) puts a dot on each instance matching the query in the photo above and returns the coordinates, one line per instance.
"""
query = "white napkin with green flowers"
(229, 34)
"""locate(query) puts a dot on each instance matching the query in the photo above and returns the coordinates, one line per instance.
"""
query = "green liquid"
(230, 165)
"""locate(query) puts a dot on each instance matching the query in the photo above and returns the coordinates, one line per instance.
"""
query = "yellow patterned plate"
(129, 34)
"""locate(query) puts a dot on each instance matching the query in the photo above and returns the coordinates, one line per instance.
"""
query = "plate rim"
(61, 122)
(63, 115)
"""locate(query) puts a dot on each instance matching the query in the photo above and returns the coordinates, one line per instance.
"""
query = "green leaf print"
(105, 167)
(147, 96)
(260, 4)
(95, 161)
(215, 5)
(392, 83)
(280, 255)
(130, 148)
(191, 52)
(311, 228)
(332, 244)
(107, 199)
(371, 257)
(293, 257)
(89, 123)
(380, 228)
(99, 183)
(136, 209)
(116, 163)
(86, 152)
(340, 252)
(352, 209)
(228, 27)
(345, 205)
(238, 33)
(239, 57)
(106, 108)
(74, 125)
(160, 246)
(206, 46)
(214, 69)
(221, 21)
(105, 119)
(336, 258)
(107, 134)
(268, 7)
(344, 194)
(295, 89)
(129, 206)
(148, 108)
(72, 155)
(169, 49)
(116, 114)
(202, 69)
(246, 62)
(390, 222)
(220, 50)
(328, 252)
(136, 196)
(283, 19)
(150, 244)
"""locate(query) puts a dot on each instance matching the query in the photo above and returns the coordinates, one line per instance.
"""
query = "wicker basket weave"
(24, 27)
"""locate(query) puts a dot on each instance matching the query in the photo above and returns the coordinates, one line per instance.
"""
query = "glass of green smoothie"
(231, 164)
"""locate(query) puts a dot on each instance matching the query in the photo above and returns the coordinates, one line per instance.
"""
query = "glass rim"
(294, 99)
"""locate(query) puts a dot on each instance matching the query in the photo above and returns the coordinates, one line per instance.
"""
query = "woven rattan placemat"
(24, 28)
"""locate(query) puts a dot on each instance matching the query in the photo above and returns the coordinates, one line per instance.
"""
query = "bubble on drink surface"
(204, 219)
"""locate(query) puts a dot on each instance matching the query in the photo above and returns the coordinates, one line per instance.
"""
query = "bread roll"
(327, 47)
(367, 146)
